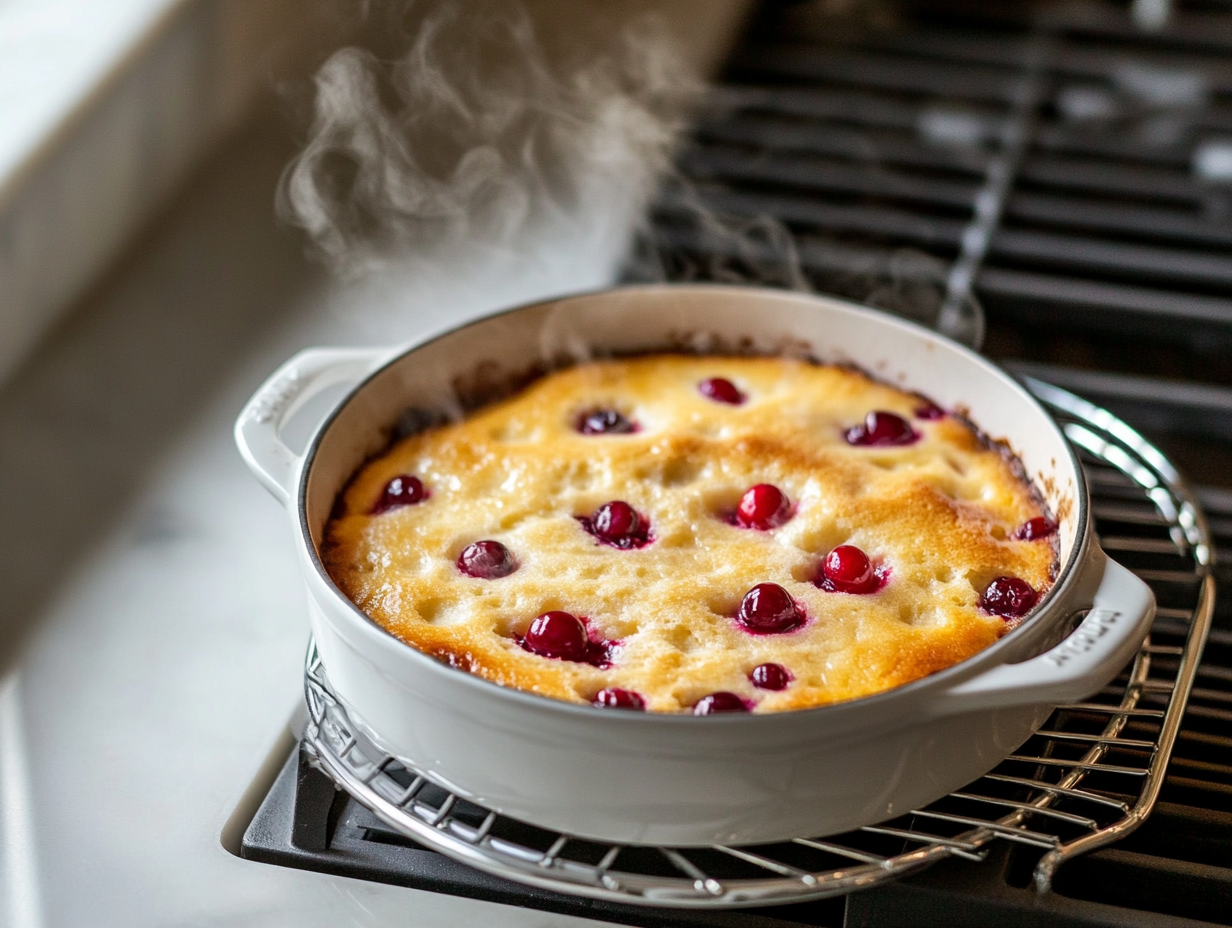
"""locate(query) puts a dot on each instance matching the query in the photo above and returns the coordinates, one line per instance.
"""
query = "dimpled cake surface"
(695, 534)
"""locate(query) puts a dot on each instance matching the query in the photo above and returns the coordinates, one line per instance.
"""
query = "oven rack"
(1091, 774)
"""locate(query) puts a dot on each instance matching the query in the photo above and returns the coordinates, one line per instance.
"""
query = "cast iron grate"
(1090, 775)
(1052, 163)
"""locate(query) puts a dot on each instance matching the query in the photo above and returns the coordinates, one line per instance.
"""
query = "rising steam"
(473, 138)
(474, 133)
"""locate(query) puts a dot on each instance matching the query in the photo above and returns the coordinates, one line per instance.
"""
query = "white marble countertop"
(153, 623)
(53, 56)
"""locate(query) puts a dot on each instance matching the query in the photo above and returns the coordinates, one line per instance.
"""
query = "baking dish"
(681, 780)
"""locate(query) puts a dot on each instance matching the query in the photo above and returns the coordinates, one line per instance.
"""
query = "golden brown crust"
(939, 514)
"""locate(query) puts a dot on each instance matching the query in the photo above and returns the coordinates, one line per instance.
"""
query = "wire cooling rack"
(1090, 775)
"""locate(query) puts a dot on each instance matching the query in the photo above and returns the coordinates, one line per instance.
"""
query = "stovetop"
(306, 823)
(1059, 185)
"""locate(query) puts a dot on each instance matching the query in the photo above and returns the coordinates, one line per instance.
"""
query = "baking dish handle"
(258, 430)
(1109, 635)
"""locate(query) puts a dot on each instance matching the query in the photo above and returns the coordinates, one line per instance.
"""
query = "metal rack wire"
(1091, 774)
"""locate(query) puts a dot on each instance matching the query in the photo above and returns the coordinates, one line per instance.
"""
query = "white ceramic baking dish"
(681, 780)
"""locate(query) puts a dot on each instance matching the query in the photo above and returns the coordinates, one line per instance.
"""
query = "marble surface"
(106, 106)
(152, 622)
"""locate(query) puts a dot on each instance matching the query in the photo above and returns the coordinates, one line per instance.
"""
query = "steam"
(696, 241)
(474, 135)
(477, 146)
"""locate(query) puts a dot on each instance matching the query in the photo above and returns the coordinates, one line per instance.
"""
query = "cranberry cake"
(695, 534)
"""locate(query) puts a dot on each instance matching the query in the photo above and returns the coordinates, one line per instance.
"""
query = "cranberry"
(403, 490)
(618, 524)
(601, 654)
(769, 609)
(615, 521)
(929, 410)
(720, 702)
(1009, 597)
(604, 422)
(882, 428)
(615, 698)
(721, 390)
(763, 507)
(770, 677)
(847, 569)
(1039, 527)
(557, 634)
(486, 560)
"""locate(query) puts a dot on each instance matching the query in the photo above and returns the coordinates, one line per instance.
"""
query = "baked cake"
(695, 534)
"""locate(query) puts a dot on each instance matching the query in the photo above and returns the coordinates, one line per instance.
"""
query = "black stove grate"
(1102, 266)
(1063, 167)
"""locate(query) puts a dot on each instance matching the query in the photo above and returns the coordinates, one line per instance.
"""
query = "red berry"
(770, 677)
(847, 569)
(617, 524)
(882, 428)
(1039, 527)
(486, 560)
(769, 609)
(720, 702)
(929, 410)
(763, 507)
(557, 634)
(1009, 597)
(721, 390)
(604, 422)
(615, 698)
(615, 521)
(601, 654)
(403, 490)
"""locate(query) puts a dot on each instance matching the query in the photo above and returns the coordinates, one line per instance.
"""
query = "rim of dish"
(1080, 553)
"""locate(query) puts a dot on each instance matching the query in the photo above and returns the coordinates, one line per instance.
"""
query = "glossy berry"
(720, 702)
(604, 422)
(847, 569)
(616, 521)
(1009, 597)
(769, 609)
(770, 677)
(617, 524)
(763, 507)
(615, 698)
(486, 560)
(882, 428)
(557, 634)
(721, 390)
(929, 410)
(1039, 527)
(403, 490)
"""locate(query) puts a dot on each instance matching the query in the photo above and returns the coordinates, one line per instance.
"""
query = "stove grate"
(1059, 167)
(1090, 776)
